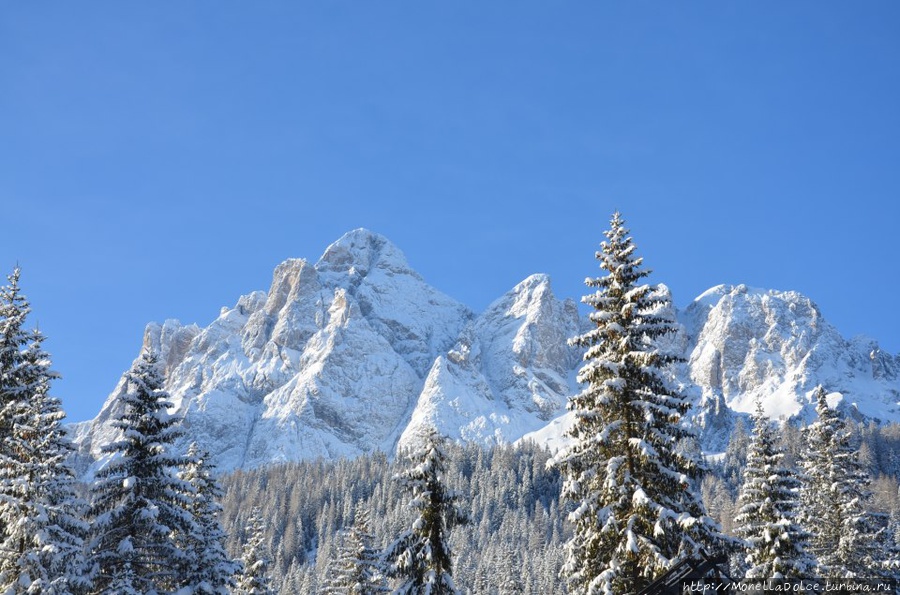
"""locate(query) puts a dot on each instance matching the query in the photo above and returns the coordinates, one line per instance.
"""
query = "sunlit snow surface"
(357, 352)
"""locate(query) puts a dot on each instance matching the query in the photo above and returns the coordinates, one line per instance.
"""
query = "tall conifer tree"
(208, 569)
(16, 378)
(140, 506)
(357, 568)
(254, 576)
(776, 545)
(421, 558)
(42, 545)
(845, 540)
(637, 508)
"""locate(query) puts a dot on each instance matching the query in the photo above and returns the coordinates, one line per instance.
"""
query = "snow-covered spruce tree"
(14, 340)
(124, 581)
(637, 505)
(421, 557)
(140, 508)
(845, 540)
(357, 569)
(208, 569)
(776, 545)
(340, 572)
(16, 378)
(42, 547)
(891, 541)
(254, 576)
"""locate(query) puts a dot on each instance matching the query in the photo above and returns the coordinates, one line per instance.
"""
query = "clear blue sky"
(158, 159)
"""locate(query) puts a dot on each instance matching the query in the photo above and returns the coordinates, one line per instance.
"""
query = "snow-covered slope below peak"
(509, 372)
(554, 436)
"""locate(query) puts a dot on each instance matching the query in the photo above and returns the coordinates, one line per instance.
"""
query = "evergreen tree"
(41, 510)
(735, 459)
(421, 558)
(637, 509)
(357, 568)
(16, 379)
(208, 569)
(845, 539)
(767, 509)
(42, 546)
(254, 578)
(511, 579)
(124, 581)
(891, 541)
(140, 507)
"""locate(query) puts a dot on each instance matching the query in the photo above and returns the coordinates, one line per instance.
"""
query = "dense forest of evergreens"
(514, 543)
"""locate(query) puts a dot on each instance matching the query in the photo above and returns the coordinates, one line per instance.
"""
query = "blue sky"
(159, 159)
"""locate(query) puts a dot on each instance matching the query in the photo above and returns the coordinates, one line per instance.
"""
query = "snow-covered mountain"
(741, 343)
(352, 354)
(357, 352)
(747, 343)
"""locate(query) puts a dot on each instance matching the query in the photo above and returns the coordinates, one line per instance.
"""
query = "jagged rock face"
(508, 373)
(329, 362)
(357, 352)
(776, 346)
(338, 357)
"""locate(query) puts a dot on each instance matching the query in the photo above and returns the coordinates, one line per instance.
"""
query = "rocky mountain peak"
(360, 251)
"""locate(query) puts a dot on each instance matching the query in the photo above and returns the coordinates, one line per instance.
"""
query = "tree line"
(512, 542)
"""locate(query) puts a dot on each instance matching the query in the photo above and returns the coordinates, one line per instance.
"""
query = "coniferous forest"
(628, 499)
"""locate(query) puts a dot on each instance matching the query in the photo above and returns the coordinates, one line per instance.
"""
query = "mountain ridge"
(356, 352)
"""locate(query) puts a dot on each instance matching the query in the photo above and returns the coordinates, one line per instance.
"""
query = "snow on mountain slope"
(750, 343)
(357, 352)
(508, 372)
(349, 395)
